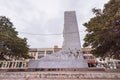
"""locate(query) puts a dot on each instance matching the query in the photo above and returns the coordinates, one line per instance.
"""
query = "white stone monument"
(71, 55)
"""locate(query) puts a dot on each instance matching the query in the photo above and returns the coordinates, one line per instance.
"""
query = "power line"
(39, 34)
(47, 34)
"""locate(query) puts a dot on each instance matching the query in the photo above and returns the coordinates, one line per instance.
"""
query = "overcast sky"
(46, 17)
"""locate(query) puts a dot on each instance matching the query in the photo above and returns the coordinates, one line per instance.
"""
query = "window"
(40, 57)
(49, 52)
(41, 52)
(85, 57)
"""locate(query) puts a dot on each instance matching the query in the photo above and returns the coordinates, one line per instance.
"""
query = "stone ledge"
(54, 79)
(52, 69)
(59, 75)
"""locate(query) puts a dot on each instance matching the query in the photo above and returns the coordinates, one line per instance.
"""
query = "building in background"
(38, 53)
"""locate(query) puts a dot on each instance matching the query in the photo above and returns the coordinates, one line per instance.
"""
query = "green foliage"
(104, 30)
(11, 46)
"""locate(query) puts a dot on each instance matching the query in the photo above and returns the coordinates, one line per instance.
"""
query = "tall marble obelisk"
(71, 32)
(71, 55)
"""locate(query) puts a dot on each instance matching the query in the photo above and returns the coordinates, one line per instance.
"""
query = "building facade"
(38, 53)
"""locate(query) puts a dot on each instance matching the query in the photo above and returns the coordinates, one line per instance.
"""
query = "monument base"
(77, 63)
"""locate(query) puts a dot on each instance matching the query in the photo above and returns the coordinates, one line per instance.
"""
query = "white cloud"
(46, 16)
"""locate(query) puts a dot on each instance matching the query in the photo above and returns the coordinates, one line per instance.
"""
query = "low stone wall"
(52, 69)
(60, 75)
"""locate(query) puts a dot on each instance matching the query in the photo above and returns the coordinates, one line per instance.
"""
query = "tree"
(104, 31)
(11, 46)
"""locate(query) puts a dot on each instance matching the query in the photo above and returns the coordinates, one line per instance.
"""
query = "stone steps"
(50, 79)
(57, 75)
